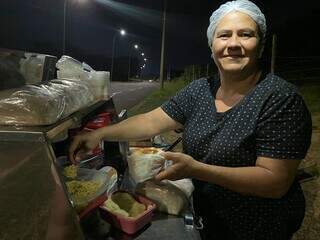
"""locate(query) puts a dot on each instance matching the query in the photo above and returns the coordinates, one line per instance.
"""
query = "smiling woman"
(245, 134)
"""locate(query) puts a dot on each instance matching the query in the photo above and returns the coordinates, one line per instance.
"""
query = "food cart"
(34, 200)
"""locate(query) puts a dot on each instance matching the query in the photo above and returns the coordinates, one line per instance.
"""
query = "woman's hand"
(182, 166)
(82, 144)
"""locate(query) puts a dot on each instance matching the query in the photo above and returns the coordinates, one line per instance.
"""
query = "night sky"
(37, 25)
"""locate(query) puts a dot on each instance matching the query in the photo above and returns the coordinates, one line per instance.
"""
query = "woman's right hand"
(82, 144)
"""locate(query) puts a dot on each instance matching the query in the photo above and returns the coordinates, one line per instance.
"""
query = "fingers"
(169, 173)
(73, 149)
(162, 175)
(174, 156)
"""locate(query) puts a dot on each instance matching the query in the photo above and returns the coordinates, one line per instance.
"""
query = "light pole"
(144, 65)
(64, 26)
(129, 70)
(163, 43)
(65, 6)
(122, 33)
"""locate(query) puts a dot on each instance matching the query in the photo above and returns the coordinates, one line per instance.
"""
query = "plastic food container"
(93, 162)
(128, 224)
(105, 181)
(101, 120)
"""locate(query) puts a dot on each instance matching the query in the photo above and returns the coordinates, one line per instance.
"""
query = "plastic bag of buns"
(43, 104)
(144, 163)
(171, 197)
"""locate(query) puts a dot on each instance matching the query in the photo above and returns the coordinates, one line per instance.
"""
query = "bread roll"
(145, 163)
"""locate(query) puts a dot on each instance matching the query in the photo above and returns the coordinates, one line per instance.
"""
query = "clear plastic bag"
(43, 104)
(68, 63)
(185, 185)
(31, 105)
(89, 184)
(168, 197)
(70, 68)
(99, 82)
(77, 94)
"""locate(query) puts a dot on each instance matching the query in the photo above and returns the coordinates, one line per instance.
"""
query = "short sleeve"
(180, 106)
(284, 128)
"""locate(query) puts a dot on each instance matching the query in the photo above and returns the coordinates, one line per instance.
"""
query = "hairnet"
(243, 6)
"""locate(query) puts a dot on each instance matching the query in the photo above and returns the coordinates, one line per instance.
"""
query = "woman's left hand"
(182, 166)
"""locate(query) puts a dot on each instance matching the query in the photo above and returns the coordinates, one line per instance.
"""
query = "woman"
(245, 134)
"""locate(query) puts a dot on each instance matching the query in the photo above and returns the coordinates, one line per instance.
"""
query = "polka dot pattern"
(272, 120)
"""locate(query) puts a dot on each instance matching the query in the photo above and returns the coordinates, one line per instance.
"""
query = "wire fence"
(299, 70)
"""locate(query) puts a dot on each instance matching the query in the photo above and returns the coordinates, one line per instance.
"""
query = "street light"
(142, 54)
(142, 67)
(122, 33)
(145, 59)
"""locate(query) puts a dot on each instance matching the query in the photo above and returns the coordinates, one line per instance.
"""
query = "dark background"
(37, 26)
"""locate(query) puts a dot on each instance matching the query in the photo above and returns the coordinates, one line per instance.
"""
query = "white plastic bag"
(70, 68)
(168, 197)
(185, 185)
(100, 83)
(144, 163)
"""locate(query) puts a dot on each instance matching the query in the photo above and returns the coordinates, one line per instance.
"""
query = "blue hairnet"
(243, 6)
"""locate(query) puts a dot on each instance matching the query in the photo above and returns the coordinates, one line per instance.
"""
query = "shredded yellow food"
(111, 206)
(70, 171)
(82, 189)
(124, 204)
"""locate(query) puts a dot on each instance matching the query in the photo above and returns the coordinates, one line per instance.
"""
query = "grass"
(311, 95)
(158, 97)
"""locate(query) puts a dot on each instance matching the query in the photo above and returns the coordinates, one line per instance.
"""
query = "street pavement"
(128, 94)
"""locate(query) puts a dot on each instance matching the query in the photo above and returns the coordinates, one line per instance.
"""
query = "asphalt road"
(126, 95)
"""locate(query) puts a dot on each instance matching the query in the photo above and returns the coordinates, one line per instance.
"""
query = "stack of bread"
(43, 104)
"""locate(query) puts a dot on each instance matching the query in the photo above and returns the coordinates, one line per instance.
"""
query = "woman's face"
(235, 43)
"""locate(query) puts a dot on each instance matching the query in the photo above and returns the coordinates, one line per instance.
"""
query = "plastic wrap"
(43, 104)
(97, 81)
(185, 185)
(77, 94)
(100, 83)
(101, 182)
(32, 68)
(70, 68)
(31, 105)
(144, 163)
(168, 197)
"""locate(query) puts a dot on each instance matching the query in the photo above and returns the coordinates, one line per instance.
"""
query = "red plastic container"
(127, 224)
(101, 120)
